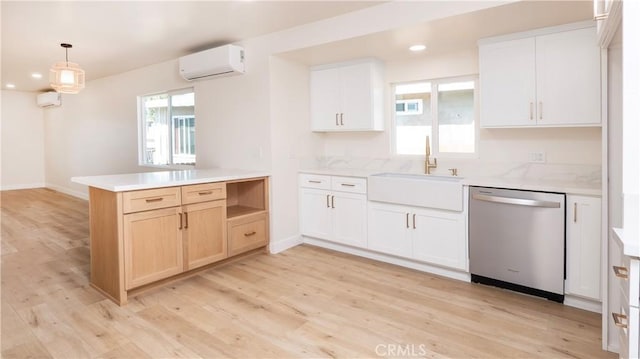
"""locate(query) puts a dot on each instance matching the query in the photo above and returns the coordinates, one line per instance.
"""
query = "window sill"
(168, 167)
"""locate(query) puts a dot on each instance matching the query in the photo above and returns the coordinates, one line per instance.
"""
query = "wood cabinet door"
(568, 78)
(205, 233)
(439, 237)
(152, 246)
(583, 246)
(388, 229)
(349, 213)
(508, 83)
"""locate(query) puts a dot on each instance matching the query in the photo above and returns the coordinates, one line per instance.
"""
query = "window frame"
(142, 133)
(434, 139)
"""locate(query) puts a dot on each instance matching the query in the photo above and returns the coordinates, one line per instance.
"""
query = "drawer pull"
(149, 200)
(618, 318)
(621, 272)
(314, 181)
(204, 193)
(249, 234)
(348, 185)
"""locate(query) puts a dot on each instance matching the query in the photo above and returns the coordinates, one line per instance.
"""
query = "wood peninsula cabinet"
(162, 226)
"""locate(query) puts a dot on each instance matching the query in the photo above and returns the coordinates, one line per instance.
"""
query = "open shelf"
(246, 197)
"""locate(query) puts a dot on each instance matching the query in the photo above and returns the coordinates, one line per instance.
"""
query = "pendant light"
(65, 76)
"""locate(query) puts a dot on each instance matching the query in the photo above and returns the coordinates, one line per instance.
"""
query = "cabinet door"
(568, 78)
(349, 212)
(152, 246)
(388, 229)
(356, 108)
(205, 233)
(508, 83)
(325, 95)
(315, 213)
(439, 238)
(583, 246)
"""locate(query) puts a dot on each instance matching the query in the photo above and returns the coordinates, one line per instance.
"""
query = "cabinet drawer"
(144, 200)
(315, 181)
(247, 234)
(628, 274)
(204, 192)
(349, 184)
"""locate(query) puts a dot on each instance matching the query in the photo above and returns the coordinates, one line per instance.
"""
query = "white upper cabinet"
(347, 97)
(545, 80)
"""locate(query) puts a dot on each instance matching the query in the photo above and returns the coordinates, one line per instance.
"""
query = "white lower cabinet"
(427, 235)
(334, 209)
(583, 246)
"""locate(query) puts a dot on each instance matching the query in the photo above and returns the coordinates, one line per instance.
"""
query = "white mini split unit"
(49, 99)
(221, 61)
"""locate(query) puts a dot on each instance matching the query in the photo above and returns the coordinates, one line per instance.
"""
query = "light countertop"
(570, 187)
(148, 180)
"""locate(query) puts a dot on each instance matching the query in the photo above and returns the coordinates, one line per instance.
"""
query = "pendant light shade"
(65, 76)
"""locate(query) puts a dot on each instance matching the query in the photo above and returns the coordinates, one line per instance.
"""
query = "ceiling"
(450, 34)
(111, 37)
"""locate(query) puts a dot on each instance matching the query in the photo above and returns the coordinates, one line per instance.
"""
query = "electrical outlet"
(537, 157)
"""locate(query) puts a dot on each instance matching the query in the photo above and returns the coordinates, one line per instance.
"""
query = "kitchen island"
(150, 228)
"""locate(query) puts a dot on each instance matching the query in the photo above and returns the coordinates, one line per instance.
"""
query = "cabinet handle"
(204, 193)
(407, 220)
(347, 185)
(531, 111)
(540, 109)
(249, 234)
(341, 123)
(314, 181)
(332, 199)
(618, 318)
(186, 220)
(180, 214)
(575, 212)
(621, 272)
(414, 221)
(337, 124)
(328, 201)
(149, 200)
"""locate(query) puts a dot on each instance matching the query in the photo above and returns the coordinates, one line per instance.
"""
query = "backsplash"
(580, 173)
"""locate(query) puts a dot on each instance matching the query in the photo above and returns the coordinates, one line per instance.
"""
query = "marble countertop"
(148, 180)
(533, 184)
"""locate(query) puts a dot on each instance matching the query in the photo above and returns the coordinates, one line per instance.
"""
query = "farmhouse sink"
(439, 192)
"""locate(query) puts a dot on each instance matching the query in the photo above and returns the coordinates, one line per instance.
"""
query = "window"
(168, 128)
(444, 110)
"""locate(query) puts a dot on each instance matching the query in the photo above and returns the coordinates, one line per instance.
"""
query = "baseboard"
(68, 191)
(284, 244)
(22, 186)
(583, 303)
(423, 267)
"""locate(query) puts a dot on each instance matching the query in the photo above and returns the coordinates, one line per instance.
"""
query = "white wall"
(22, 141)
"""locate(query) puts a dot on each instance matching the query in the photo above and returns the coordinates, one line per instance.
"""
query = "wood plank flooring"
(304, 303)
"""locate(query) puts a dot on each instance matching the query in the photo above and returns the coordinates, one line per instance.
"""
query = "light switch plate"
(537, 157)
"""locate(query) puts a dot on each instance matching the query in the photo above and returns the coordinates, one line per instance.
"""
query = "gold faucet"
(427, 162)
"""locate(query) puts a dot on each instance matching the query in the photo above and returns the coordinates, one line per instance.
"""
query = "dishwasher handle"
(516, 201)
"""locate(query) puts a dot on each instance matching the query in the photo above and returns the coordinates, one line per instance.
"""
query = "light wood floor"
(306, 302)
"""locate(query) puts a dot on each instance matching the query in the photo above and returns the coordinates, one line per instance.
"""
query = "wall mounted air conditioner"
(220, 61)
(49, 99)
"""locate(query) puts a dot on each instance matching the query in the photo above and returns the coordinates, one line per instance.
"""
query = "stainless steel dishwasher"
(517, 240)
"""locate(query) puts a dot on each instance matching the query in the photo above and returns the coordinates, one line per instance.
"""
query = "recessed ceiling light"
(36, 75)
(417, 47)
(10, 86)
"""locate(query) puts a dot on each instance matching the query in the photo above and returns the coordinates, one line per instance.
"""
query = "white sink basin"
(440, 192)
